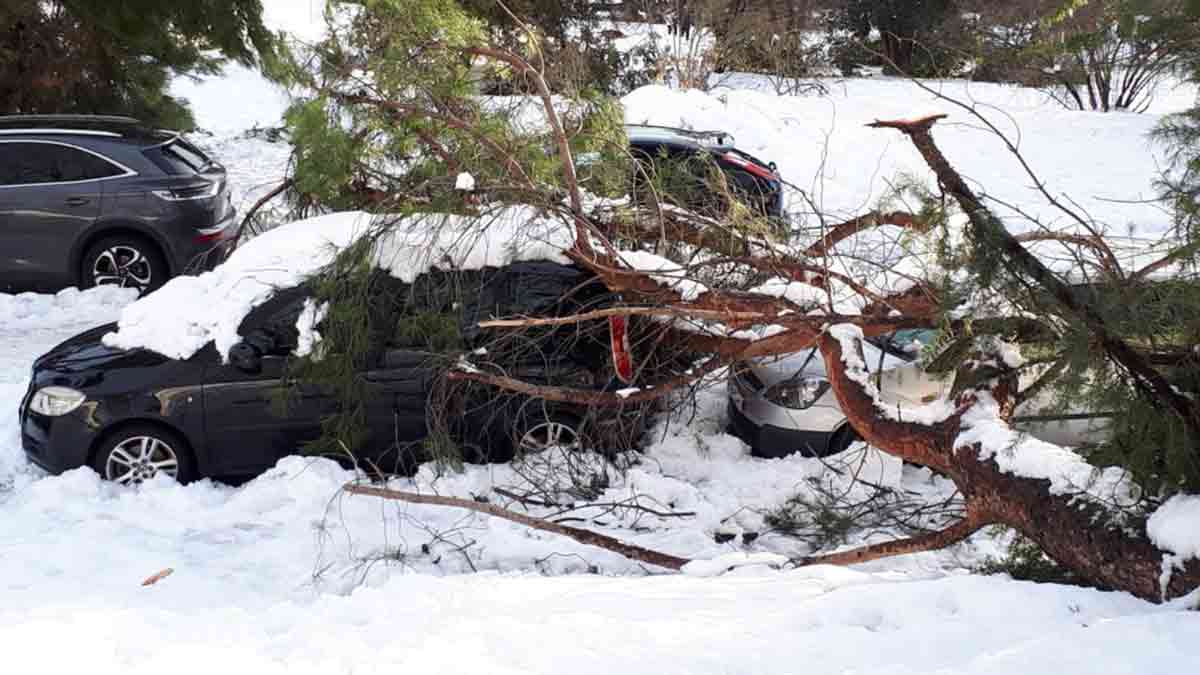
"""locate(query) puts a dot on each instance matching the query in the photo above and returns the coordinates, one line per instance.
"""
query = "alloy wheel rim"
(549, 435)
(122, 265)
(140, 458)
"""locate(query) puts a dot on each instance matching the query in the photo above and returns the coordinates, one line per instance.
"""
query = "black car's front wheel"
(141, 452)
(123, 260)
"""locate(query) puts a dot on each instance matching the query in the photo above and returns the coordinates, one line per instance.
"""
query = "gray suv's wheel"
(123, 260)
(140, 452)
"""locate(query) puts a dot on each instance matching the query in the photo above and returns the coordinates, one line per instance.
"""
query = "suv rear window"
(178, 158)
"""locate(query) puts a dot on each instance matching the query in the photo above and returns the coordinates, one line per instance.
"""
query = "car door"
(252, 419)
(49, 193)
(399, 408)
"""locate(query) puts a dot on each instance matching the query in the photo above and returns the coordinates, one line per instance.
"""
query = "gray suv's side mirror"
(245, 358)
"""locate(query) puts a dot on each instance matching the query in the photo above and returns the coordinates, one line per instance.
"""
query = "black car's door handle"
(77, 201)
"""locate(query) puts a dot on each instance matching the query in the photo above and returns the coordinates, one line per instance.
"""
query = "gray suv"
(88, 200)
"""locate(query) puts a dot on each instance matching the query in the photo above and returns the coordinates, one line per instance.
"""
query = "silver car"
(783, 405)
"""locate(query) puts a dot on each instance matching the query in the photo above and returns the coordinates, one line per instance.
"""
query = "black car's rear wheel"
(544, 432)
(140, 452)
(123, 260)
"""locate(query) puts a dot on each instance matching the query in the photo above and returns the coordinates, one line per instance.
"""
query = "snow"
(733, 561)
(1175, 526)
(189, 312)
(507, 235)
(30, 324)
(812, 137)
(665, 272)
(857, 370)
(283, 574)
(308, 337)
(1022, 455)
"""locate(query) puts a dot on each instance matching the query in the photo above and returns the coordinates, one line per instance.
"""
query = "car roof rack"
(709, 138)
(84, 121)
(113, 126)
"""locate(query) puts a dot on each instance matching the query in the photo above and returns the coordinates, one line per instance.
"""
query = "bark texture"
(1073, 532)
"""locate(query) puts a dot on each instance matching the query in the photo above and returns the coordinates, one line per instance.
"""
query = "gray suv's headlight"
(55, 401)
(797, 394)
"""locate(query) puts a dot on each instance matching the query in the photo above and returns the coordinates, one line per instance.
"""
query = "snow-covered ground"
(285, 573)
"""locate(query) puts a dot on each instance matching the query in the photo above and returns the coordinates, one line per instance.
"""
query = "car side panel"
(36, 221)
(251, 421)
(398, 403)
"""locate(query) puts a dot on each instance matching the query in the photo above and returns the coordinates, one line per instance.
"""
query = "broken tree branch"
(580, 535)
(931, 541)
(988, 230)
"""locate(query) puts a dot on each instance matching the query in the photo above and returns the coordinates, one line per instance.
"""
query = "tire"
(841, 440)
(124, 259)
(540, 429)
(139, 451)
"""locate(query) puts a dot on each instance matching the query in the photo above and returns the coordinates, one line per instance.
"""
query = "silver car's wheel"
(123, 265)
(549, 434)
(140, 458)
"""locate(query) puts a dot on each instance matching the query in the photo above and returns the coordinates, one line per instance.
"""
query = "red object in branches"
(618, 332)
(753, 168)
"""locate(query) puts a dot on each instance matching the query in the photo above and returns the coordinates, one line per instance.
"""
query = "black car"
(87, 200)
(130, 414)
(675, 165)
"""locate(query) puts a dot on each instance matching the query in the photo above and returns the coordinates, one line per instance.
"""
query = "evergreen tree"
(906, 33)
(101, 56)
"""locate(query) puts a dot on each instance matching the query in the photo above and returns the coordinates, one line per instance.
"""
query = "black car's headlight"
(797, 394)
(55, 401)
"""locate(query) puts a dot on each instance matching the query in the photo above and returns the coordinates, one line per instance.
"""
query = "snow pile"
(26, 313)
(733, 561)
(665, 272)
(189, 312)
(1022, 455)
(508, 235)
(1175, 526)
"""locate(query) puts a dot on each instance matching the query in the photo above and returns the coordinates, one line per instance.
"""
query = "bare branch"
(580, 535)
(931, 541)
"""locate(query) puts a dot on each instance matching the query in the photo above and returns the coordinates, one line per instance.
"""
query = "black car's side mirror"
(245, 358)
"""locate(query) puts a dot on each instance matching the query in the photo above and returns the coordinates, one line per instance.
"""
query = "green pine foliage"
(389, 114)
(1024, 560)
(106, 57)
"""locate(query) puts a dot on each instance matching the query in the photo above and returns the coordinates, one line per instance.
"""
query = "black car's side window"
(40, 163)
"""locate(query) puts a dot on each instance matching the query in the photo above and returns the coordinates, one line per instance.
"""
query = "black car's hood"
(86, 352)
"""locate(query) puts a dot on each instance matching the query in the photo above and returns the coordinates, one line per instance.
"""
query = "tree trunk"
(1072, 532)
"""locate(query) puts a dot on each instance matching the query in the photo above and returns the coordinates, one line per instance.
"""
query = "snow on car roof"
(188, 312)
